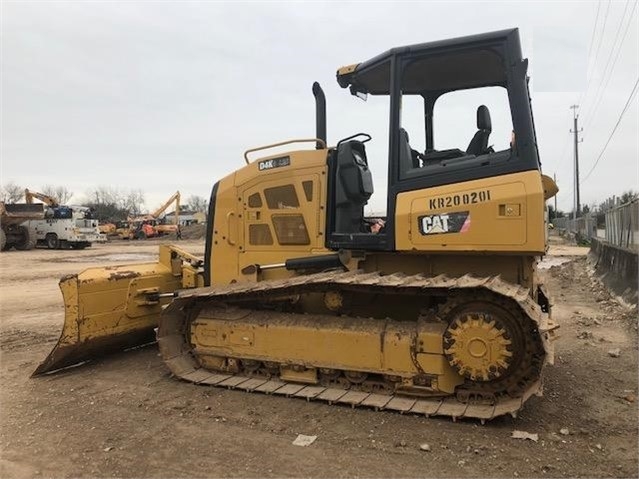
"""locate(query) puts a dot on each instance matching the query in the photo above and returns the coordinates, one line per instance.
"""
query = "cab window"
(459, 115)
(454, 130)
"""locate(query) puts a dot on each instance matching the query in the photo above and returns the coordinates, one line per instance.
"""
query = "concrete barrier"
(617, 266)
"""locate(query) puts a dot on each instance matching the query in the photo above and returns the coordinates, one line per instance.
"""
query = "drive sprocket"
(478, 346)
(513, 362)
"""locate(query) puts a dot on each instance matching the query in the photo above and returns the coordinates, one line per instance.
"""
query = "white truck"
(67, 227)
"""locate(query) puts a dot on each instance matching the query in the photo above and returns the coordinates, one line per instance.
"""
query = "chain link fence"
(620, 228)
(622, 225)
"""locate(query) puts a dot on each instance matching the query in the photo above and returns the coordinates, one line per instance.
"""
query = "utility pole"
(576, 131)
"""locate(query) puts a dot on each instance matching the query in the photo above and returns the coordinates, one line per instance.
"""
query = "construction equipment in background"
(145, 229)
(125, 230)
(14, 233)
(440, 313)
(136, 228)
(50, 201)
(63, 227)
(161, 227)
(151, 225)
(108, 229)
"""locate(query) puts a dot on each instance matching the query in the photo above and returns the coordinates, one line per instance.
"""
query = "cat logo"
(444, 223)
(435, 224)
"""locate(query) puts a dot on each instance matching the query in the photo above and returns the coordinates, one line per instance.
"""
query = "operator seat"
(479, 144)
(407, 156)
(353, 187)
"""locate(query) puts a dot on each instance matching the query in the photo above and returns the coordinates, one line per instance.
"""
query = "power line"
(610, 54)
(592, 41)
(623, 111)
(594, 29)
(603, 32)
(599, 97)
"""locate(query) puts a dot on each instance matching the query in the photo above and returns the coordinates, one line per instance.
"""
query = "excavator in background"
(145, 229)
(440, 312)
(151, 225)
(161, 227)
(50, 201)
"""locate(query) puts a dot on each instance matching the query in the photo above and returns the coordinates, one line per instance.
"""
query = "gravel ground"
(124, 416)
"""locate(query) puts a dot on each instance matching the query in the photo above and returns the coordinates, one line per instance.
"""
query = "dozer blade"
(112, 308)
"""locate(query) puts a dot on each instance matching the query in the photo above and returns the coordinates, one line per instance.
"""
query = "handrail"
(303, 140)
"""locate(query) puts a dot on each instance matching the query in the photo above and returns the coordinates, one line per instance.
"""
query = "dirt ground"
(124, 416)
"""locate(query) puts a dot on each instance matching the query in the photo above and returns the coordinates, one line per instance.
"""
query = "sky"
(166, 96)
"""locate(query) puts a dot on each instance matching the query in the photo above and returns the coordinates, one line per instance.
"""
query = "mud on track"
(124, 416)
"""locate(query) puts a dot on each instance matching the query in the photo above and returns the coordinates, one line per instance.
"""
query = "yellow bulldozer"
(439, 312)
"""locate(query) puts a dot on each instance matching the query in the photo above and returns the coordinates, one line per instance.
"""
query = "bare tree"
(112, 204)
(134, 202)
(61, 193)
(196, 203)
(11, 193)
(103, 195)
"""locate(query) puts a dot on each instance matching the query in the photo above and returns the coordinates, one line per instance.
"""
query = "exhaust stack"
(320, 114)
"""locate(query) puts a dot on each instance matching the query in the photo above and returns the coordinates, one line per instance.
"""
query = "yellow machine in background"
(125, 229)
(161, 227)
(108, 229)
(46, 199)
(151, 225)
(441, 312)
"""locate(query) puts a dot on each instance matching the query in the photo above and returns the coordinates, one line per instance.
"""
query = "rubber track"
(176, 350)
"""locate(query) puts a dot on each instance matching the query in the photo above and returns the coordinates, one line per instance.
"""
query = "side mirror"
(359, 94)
